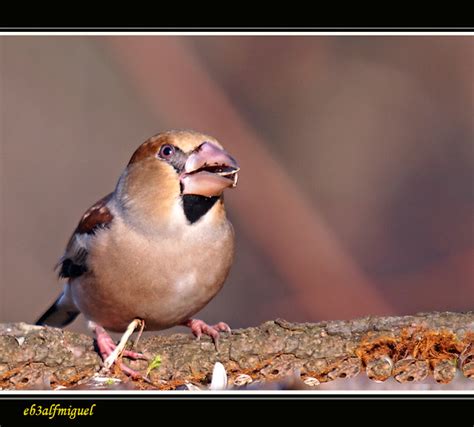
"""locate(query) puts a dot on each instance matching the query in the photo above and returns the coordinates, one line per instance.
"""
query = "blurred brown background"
(357, 184)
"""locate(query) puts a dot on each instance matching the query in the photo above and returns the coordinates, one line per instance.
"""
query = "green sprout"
(154, 364)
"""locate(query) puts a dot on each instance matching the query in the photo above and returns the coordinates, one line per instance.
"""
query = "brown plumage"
(159, 247)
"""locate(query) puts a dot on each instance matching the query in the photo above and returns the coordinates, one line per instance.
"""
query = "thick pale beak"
(208, 171)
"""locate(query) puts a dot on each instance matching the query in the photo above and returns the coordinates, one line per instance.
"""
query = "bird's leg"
(112, 357)
(110, 352)
(198, 327)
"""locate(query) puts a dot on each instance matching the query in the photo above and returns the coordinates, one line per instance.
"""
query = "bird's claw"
(108, 350)
(199, 327)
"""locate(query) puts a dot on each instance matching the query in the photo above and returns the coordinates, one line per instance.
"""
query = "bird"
(156, 250)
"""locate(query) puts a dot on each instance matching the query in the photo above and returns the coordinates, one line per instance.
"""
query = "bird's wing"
(74, 261)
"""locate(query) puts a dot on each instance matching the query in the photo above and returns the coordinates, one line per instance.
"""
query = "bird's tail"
(61, 313)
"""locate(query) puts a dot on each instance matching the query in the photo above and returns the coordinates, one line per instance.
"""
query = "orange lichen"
(73, 380)
(12, 372)
(438, 349)
(255, 371)
(342, 367)
(426, 344)
(418, 343)
(370, 349)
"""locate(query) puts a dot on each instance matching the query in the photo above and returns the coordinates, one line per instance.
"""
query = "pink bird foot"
(107, 346)
(198, 327)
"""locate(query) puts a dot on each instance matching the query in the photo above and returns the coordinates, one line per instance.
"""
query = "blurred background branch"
(357, 185)
(269, 205)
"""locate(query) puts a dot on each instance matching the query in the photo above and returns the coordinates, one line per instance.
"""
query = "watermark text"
(58, 410)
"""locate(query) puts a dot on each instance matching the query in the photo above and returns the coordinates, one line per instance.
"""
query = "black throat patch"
(196, 206)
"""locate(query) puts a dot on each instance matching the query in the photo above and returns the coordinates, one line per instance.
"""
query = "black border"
(317, 408)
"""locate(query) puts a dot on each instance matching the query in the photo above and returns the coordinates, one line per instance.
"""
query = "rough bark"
(408, 348)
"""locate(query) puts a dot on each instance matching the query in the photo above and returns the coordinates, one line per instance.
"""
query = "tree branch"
(408, 348)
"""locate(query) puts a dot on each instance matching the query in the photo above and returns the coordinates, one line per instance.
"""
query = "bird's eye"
(166, 151)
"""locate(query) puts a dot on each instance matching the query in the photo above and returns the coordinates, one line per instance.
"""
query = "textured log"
(408, 348)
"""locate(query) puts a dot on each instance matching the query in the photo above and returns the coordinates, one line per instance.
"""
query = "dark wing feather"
(74, 261)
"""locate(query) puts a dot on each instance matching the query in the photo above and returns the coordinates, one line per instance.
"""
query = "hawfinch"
(157, 249)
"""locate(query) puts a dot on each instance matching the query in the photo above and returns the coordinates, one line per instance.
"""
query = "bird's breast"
(161, 279)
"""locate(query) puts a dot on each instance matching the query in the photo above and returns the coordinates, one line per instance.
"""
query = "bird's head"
(177, 169)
